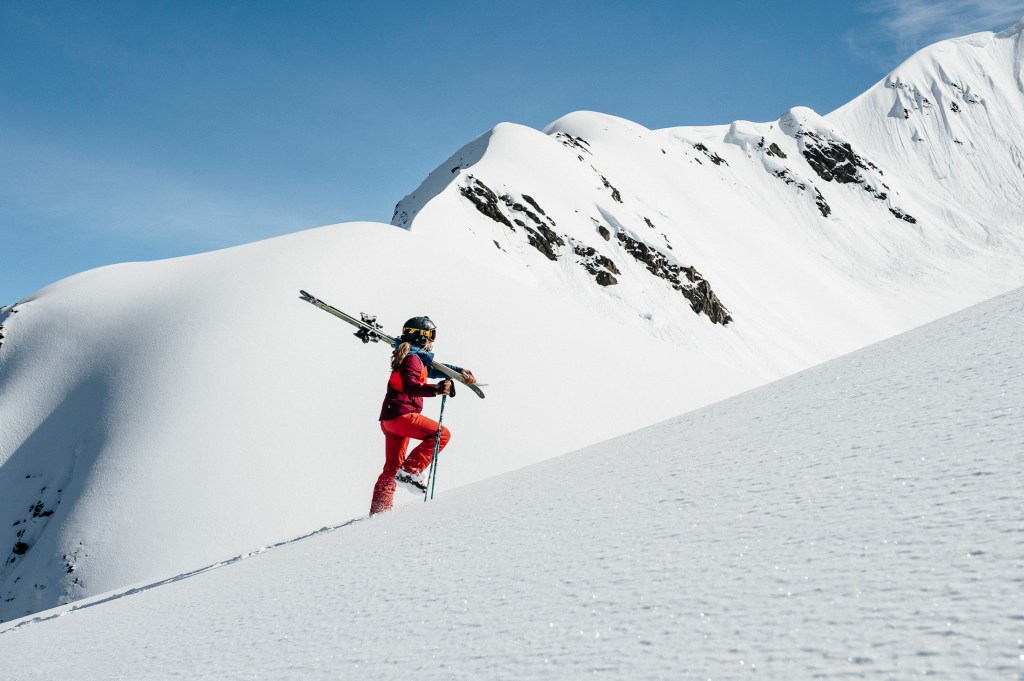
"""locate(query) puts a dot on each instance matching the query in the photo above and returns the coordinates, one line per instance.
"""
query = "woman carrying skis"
(400, 416)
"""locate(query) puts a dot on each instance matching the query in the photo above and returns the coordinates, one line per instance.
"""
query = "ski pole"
(432, 473)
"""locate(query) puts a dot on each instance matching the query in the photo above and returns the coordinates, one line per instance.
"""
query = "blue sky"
(143, 130)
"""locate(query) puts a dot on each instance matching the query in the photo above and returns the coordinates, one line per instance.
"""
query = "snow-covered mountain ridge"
(599, 276)
(870, 204)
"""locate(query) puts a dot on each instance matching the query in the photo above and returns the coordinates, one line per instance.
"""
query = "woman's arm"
(413, 384)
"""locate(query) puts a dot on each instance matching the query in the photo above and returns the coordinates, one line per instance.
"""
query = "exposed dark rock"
(498, 246)
(903, 216)
(906, 113)
(38, 511)
(773, 150)
(832, 160)
(20, 549)
(486, 201)
(545, 241)
(540, 236)
(529, 200)
(822, 204)
(835, 161)
(603, 231)
(615, 192)
(714, 157)
(520, 208)
(573, 142)
(598, 265)
(649, 223)
(785, 177)
(695, 289)
(819, 199)
(953, 107)
(600, 260)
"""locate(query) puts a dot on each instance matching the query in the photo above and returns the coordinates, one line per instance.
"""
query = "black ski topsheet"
(370, 331)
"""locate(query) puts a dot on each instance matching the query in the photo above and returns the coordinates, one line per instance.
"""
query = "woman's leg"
(394, 456)
(419, 427)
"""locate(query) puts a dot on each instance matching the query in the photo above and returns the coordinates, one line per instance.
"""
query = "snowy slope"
(157, 417)
(860, 520)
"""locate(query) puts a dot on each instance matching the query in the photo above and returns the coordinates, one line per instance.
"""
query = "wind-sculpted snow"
(858, 520)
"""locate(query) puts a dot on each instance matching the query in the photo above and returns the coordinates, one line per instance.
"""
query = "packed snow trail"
(860, 519)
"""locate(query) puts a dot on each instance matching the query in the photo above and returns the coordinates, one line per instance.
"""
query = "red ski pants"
(397, 433)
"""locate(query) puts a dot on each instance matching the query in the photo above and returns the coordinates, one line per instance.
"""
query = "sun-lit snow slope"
(949, 123)
(158, 417)
(858, 520)
(841, 229)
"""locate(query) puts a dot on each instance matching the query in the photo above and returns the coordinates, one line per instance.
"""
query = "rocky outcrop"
(831, 160)
(695, 288)
(577, 143)
(485, 200)
(712, 156)
(538, 232)
(822, 204)
(773, 150)
(900, 215)
(536, 206)
(602, 267)
(615, 192)
(786, 177)
(836, 161)
(526, 214)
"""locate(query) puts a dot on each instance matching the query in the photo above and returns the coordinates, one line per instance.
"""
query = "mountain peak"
(1015, 30)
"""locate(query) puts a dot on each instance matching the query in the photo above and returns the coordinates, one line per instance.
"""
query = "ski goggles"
(429, 334)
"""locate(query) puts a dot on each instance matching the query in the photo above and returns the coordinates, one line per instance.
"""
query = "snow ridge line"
(177, 578)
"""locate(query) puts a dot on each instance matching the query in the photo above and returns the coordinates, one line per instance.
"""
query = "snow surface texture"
(858, 520)
(155, 418)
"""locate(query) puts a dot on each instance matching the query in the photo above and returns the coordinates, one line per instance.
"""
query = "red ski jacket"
(406, 389)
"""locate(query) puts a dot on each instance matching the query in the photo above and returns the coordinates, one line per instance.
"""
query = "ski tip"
(306, 296)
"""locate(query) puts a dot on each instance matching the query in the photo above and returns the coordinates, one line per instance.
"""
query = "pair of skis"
(369, 331)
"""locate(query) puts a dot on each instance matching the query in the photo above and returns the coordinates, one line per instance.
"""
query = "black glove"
(450, 388)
